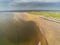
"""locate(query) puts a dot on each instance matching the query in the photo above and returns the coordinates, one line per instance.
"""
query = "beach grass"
(47, 14)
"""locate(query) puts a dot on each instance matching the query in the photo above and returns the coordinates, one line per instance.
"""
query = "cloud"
(8, 4)
(22, 1)
(12, 2)
(52, 0)
(18, 1)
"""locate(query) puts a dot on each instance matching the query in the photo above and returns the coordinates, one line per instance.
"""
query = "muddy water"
(13, 32)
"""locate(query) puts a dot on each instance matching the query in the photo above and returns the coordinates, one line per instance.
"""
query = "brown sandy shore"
(50, 29)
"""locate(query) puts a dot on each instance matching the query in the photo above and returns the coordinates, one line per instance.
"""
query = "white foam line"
(51, 19)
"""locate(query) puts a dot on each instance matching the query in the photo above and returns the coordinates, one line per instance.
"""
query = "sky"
(6, 4)
(36, 0)
(28, 0)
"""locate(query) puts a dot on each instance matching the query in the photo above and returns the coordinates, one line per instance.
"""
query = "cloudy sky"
(6, 4)
(29, 0)
(37, 0)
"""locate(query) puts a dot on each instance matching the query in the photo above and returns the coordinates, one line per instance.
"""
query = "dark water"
(4, 19)
(12, 33)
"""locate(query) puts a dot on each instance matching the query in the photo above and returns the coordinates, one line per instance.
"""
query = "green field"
(47, 14)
